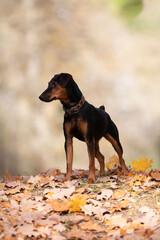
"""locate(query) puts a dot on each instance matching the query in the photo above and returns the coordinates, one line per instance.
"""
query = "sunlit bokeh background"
(112, 49)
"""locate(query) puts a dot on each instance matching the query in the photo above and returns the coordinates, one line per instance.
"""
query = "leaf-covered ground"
(115, 207)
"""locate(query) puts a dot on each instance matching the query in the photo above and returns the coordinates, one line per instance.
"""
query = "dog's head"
(57, 88)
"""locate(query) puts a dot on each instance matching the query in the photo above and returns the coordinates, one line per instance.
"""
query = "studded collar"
(74, 109)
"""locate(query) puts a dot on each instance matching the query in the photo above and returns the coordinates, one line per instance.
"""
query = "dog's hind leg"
(99, 157)
(113, 137)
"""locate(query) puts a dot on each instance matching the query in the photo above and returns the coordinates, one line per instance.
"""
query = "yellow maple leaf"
(138, 180)
(119, 194)
(49, 194)
(76, 202)
(142, 164)
(113, 161)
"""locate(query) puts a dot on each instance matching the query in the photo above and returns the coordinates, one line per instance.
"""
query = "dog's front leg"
(69, 157)
(91, 154)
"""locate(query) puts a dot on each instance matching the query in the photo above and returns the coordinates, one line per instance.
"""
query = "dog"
(83, 121)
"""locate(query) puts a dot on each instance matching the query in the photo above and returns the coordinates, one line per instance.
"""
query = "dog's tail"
(102, 107)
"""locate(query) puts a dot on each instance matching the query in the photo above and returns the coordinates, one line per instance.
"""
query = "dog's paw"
(125, 171)
(101, 172)
(67, 178)
(91, 180)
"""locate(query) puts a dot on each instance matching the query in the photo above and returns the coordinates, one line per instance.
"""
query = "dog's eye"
(53, 85)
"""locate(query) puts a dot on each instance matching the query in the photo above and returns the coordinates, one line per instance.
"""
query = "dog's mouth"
(47, 100)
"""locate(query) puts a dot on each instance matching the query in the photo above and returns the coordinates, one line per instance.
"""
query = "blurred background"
(112, 49)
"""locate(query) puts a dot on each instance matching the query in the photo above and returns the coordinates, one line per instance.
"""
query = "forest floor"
(114, 207)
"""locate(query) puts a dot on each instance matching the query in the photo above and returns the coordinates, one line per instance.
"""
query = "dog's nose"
(41, 98)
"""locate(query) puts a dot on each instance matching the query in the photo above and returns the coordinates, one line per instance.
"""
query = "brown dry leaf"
(119, 194)
(12, 184)
(94, 202)
(59, 206)
(5, 204)
(146, 232)
(12, 191)
(26, 204)
(91, 226)
(28, 230)
(2, 186)
(81, 189)
(123, 232)
(7, 176)
(60, 227)
(44, 181)
(92, 210)
(79, 173)
(76, 233)
(14, 204)
(34, 179)
(105, 194)
(151, 219)
(123, 204)
(51, 172)
(59, 193)
(114, 233)
(29, 217)
(44, 231)
(116, 221)
(155, 174)
(74, 219)
(144, 209)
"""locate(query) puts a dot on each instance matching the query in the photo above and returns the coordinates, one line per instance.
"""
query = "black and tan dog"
(83, 121)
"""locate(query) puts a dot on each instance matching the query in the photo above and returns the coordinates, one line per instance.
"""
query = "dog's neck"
(75, 109)
(75, 99)
(74, 95)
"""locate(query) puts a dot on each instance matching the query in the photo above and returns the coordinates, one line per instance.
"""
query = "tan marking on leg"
(91, 154)
(69, 153)
(119, 152)
(69, 149)
(99, 157)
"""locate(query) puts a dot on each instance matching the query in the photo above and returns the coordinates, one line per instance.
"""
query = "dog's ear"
(64, 79)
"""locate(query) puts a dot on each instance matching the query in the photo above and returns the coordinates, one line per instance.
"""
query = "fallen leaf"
(116, 221)
(123, 204)
(92, 210)
(59, 193)
(113, 161)
(91, 226)
(142, 164)
(119, 194)
(14, 204)
(60, 227)
(151, 219)
(76, 233)
(81, 189)
(155, 174)
(59, 206)
(105, 194)
(94, 202)
(73, 218)
(51, 172)
(76, 202)
(34, 179)
(137, 180)
(28, 230)
(144, 209)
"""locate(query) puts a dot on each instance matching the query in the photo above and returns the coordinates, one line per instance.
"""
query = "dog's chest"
(76, 128)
